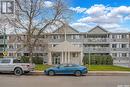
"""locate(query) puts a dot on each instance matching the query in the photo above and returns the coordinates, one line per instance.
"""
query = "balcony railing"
(119, 40)
(120, 49)
(2, 41)
(97, 49)
(97, 40)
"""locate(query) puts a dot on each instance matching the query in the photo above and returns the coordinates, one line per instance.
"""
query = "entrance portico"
(65, 53)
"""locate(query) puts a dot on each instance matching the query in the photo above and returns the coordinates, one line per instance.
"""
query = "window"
(16, 61)
(85, 36)
(7, 7)
(114, 36)
(1, 37)
(5, 61)
(19, 54)
(56, 37)
(123, 36)
(18, 46)
(54, 45)
(114, 54)
(124, 54)
(75, 54)
(11, 54)
(123, 46)
(26, 54)
(114, 45)
(11, 46)
(75, 37)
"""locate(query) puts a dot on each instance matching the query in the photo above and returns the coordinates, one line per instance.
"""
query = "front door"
(56, 60)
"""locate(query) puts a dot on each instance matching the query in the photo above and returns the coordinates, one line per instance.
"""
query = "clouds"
(78, 9)
(106, 16)
(48, 4)
(82, 27)
(120, 11)
(96, 10)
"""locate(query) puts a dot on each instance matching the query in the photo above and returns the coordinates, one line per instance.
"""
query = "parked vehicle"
(15, 65)
(73, 69)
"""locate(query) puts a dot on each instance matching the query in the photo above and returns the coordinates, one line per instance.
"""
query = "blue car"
(73, 69)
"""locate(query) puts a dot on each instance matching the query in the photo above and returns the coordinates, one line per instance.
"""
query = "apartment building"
(67, 45)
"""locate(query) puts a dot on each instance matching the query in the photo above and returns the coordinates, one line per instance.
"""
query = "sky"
(113, 15)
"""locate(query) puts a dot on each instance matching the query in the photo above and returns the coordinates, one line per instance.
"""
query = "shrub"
(24, 59)
(36, 60)
(98, 59)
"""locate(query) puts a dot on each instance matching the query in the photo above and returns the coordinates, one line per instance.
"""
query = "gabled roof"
(98, 30)
(66, 29)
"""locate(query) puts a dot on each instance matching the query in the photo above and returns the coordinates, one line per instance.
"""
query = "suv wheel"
(18, 71)
(51, 73)
(77, 73)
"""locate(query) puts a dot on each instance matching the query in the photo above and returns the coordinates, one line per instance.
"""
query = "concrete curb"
(92, 73)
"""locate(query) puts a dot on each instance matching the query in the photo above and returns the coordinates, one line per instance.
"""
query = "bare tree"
(34, 18)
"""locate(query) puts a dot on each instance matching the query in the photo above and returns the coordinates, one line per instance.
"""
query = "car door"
(61, 69)
(65, 69)
(69, 69)
(5, 65)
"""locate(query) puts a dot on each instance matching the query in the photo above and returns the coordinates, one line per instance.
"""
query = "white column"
(62, 61)
(65, 57)
(81, 57)
(49, 58)
(68, 57)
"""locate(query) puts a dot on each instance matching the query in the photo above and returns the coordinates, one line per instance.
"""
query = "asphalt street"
(63, 81)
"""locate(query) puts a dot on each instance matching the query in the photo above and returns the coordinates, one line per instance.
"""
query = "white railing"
(97, 49)
(97, 39)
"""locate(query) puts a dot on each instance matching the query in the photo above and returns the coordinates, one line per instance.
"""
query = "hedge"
(36, 60)
(98, 60)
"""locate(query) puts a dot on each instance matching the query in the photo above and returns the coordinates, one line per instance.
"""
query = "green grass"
(41, 67)
(107, 68)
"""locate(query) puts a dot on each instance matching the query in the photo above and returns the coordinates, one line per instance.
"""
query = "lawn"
(41, 67)
(107, 68)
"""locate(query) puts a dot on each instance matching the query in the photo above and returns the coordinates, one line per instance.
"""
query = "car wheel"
(51, 73)
(77, 73)
(18, 71)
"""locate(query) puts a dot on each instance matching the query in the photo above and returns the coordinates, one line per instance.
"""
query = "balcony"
(56, 40)
(120, 49)
(96, 40)
(2, 41)
(1, 49)
(97, 49)
(119, 40)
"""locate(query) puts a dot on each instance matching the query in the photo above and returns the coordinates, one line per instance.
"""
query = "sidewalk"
(94, 73)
